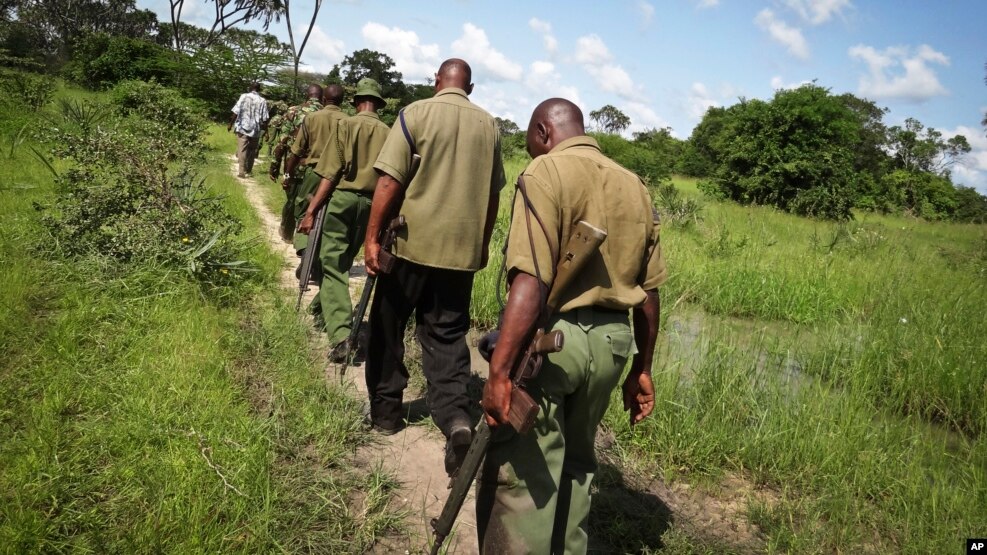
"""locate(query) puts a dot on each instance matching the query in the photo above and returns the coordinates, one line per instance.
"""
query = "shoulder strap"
(407, 134)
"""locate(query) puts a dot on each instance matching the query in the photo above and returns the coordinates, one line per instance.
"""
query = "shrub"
(35, 91)
(100, 60)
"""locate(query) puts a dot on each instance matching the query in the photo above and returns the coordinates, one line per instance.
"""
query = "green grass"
(138, 414)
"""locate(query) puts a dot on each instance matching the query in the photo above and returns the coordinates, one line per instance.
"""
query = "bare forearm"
(488, 227)
(387, 198)
(291, 163)
(646, 319)
(520, 317)
(325, 189)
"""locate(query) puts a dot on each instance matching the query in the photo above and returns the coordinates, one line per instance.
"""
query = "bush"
(120, 201)
(35, 91)
(101, 60)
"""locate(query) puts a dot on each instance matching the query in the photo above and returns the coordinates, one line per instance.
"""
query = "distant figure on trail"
(248, 121)
(348, 180)
(533, 492)
(450, 207)
(286, 131)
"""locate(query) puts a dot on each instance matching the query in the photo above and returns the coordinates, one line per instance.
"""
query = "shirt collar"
(577, 141)
(453, 90)
(331, 107)
(369, 114)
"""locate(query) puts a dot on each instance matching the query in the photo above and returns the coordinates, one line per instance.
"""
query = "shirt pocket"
(622, 344)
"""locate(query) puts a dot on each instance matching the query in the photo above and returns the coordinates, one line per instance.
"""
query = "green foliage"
(639, 157)
(675, 207)
(102, 60)
(609, 119)
(34, 91)
(119, 200)
(795, 152)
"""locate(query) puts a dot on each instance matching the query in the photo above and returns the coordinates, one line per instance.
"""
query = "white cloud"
(322, 51)
(790, 37)
(647, 12)
(501, 102)
(703, 4)
(699, 100)
(475, 48)
(777, 83)
(548, 39)
(817, 12)
(897, 72)
(643, 117)
(596, 59)
(415, 61)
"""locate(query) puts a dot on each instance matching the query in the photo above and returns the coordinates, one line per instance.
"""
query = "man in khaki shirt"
(534, 490)
(450, 206)
(313, 134)
(346, 169)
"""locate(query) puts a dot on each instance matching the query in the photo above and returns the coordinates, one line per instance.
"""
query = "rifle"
(287, 228)
(386, 260)
(585, 240)
(311, 252)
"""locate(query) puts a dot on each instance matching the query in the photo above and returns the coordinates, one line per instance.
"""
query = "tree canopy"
(609, 119)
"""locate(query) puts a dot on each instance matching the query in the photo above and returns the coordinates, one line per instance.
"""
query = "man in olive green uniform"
(346, 167)
(286, 131)
(450, 206)
(312, 135)
(533, 493)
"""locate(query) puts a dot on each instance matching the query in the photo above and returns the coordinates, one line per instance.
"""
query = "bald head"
(333, 94)
(314, 91)
(454, 72)
(552, 122)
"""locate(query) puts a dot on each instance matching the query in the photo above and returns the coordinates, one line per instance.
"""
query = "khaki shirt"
(445, 205)
(574, 182)
(349, 156)
(314, 133)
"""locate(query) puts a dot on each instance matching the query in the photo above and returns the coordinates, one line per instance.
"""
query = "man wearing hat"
(348, 180)
(314, 133)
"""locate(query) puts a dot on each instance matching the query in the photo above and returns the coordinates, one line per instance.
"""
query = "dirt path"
(712, 516)
(414, 456)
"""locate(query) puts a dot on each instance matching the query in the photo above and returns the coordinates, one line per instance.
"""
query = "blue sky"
(664, 63)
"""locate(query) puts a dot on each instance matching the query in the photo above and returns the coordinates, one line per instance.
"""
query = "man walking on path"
(346, 167)
(313, 134)
(533, 493)
(286, 132)
(450, 206)
(248, 122)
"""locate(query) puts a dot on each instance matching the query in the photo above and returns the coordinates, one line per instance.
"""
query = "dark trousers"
(441, 300)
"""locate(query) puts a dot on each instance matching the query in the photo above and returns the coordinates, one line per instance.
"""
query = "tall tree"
(919, 148)
(228, 14)
(370, 63)
(507, 127)
(296, 51)
(610, 120)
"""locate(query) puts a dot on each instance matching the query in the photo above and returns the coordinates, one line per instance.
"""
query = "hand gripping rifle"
(583, 243)
(310, 253)
(386, 261)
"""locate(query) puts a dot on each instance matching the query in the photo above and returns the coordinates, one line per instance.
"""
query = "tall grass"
(138, 415)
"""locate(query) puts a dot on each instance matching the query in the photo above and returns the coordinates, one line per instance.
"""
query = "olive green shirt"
(349, 156)
(574, 182)
(314, 133)
(445, 205)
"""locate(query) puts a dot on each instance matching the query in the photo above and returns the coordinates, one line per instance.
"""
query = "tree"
(59, 23)
(610, 120)
(795, 152)
(370, 63)
(228, 14)
(296, 52)
(507, 127)
(917, 148)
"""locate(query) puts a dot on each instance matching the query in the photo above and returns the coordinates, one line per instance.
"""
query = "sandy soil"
(414, 456)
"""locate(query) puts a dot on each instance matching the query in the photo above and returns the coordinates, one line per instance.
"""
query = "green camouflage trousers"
(342, 237)
(533, 493)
